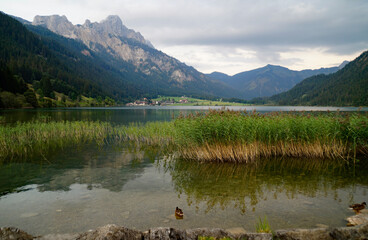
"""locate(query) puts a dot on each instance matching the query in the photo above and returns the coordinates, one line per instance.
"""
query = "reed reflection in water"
(139, 187)
(274, 186)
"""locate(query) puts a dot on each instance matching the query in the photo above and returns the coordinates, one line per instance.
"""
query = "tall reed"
(27, 140)
(233, 136)
(222, 136)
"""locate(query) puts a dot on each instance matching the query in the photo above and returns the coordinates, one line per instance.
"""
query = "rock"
(357, 232)
(358, 219)
(192, 234)
(9, 233)
(236, 231)
(165, 234)
(111, 232)
(301, 234)
(256, 236)
(59, 237)
(319, 225)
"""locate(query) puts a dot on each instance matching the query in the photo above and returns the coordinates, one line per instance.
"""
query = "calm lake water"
(81, 188)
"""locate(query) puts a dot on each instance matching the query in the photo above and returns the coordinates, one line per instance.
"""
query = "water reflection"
(125, 115)
(109, 168)
(245, 186)
(89, 187)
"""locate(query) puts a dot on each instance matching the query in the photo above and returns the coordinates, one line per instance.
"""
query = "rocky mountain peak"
(56, 23)
(113, 24)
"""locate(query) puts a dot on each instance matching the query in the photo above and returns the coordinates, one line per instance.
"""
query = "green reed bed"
(223, 136)
(233, 136)
(27, 140)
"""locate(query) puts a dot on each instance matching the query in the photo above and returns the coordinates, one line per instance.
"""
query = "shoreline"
(112, 231)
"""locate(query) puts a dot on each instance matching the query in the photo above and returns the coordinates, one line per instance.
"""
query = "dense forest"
(40, 65)
(347, 87)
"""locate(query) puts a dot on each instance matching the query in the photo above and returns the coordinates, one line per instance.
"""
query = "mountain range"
(128, 51)
(268, 80)
(108, 60)
(346, 87)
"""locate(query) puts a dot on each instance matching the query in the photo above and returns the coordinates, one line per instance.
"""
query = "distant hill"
(346, 87)
(268, 80)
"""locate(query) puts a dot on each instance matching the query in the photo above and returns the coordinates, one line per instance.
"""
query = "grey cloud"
(332, 24)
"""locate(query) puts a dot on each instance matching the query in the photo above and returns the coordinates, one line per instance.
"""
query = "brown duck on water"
(179, 213)
(357, 206)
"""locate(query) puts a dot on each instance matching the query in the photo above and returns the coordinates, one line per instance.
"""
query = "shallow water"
(81, 189)
(77, 189)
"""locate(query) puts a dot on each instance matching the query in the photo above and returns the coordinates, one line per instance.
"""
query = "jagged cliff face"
(112, 37)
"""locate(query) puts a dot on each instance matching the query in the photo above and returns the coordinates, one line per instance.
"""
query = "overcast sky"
(229, 36)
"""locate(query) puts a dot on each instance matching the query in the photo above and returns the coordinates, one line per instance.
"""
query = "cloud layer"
(232, 35)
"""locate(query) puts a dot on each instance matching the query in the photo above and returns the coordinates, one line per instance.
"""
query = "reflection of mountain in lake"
(103, 168)
(244, 186)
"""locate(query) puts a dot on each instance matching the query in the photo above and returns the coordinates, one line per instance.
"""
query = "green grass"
(222, 136)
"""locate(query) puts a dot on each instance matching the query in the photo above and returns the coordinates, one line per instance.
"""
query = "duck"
(179, 213)
(357, 206)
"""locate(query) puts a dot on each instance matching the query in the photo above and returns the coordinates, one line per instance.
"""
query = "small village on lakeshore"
(158, 102)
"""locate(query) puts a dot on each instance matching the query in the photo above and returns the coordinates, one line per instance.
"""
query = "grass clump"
(263, 226)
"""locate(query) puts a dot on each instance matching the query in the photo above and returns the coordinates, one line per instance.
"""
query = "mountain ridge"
(107, 39)
(268, 80)
(346, 87)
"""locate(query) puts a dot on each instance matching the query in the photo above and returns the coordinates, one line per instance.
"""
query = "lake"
(85, 187)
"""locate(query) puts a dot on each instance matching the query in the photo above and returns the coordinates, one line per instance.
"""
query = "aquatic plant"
(234, 136)
(263, 226)
(221, 136)
(40, 138)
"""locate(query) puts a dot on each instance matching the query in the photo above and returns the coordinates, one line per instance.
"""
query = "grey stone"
(357, 219)
(301, 234)
(10, 233)
(236, 231)
(166, 234)
(256, 236)
(59, 237)
(111, 232)
(357, 232)
(192, 234)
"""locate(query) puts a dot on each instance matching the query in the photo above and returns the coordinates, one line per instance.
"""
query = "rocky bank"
(113, 232)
